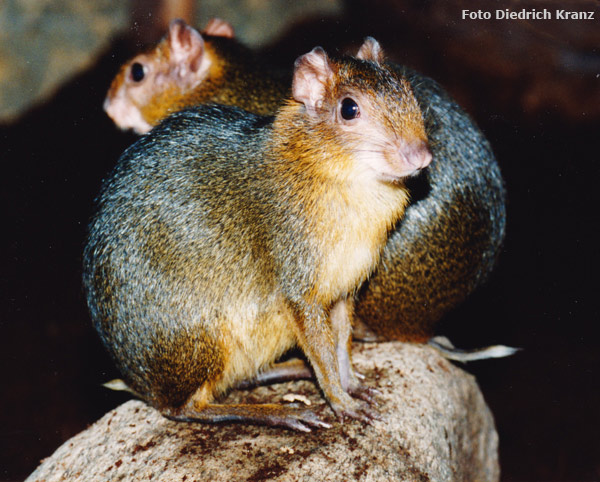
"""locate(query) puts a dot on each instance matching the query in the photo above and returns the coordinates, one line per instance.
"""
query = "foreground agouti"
(450, 238)
(223, 238)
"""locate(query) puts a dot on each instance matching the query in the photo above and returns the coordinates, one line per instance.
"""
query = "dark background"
(533, 88)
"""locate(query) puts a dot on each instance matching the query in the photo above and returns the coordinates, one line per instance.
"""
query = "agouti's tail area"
(447, 350)
(259, 414)
(119, 385)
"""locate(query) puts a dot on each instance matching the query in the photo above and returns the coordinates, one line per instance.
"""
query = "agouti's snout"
(415, 155)
(403, 158)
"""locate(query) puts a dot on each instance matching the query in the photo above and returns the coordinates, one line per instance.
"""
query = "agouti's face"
(371, 110)
(148, 85)
(382, 123)
(128, 91)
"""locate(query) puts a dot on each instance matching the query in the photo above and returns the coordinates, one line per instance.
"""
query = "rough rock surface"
(45, 42)
(258, 22)
(436, 426)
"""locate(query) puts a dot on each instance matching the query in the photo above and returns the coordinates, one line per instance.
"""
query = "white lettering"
(478, 15)
(524, 14)
(532, 14)
(565, 15)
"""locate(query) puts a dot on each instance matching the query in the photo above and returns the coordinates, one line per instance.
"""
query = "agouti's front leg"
(317, 339)
(341, 315)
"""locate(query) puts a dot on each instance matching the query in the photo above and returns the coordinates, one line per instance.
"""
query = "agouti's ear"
(312, 77)
(185, 44)
(219, 28)
(370, 50)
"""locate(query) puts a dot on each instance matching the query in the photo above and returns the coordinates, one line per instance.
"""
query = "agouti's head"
(149, 86)
(366, 108)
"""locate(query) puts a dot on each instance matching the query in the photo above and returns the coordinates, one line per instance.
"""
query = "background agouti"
(188, 68)
(451, 235)
(224, 238)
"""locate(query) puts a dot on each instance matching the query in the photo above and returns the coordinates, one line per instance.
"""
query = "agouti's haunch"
(223, 238)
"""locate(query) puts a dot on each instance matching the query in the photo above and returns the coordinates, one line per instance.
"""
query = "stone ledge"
(436, 426)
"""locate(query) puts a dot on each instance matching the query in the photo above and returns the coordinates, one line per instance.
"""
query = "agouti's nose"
(416, 154)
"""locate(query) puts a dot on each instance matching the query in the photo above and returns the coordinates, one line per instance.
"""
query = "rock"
(44, 43)
(258, 22)
(436, 426)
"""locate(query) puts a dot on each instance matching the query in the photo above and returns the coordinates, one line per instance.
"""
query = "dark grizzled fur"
(246, 81)
(169, 206)
(450, 237)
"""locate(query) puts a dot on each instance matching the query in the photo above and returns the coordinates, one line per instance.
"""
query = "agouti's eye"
(349, 109)
(137, 72)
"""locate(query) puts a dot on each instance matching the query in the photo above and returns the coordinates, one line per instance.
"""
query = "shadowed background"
(532, 86)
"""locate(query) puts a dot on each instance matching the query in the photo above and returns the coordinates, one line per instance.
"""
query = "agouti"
(450, 238)
(187, 68)
(223, 238)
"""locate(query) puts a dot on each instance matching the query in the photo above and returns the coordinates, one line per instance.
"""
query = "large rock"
(258, 22)
(46, 42)
(436, 426)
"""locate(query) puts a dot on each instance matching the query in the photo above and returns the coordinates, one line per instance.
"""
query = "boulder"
(435, 427)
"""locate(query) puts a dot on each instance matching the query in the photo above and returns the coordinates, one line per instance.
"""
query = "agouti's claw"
(357, 410)
(301, 420)
(365, 415)
(366, 394)
(358, 375)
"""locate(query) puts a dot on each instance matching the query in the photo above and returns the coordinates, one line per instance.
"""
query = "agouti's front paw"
(358, 390)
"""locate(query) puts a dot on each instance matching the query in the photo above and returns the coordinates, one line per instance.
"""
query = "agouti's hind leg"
(289, 370)
(256, 414)
(199, 408)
